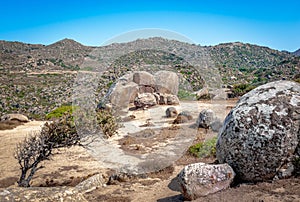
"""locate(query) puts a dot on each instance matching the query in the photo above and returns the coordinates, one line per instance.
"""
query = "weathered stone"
(123, 93)
(166, 82)
(145, 100)
(216, 94)
(261, 134)
(91, 183)
(17, 117)
(143, 78)
(206, 118)
(187, 114)
(172, 99)
(216, 125)
(146, 89)
(41, 194)
(130, 85)
(200, 179)
(171, 112)
(180, 119)
(203, 93)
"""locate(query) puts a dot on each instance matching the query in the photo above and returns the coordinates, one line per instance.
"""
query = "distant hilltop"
(297, 52)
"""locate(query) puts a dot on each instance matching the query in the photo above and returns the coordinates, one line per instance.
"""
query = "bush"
(186, 95)
(60, 111)
(204, 149)
(107, 122)
(297, 80)
(38, 146)
(241, 89)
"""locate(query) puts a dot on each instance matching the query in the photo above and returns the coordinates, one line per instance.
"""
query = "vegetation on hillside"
(26, 87)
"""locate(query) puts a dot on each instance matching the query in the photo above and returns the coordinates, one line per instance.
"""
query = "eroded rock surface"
(200, 179)
(260, 136)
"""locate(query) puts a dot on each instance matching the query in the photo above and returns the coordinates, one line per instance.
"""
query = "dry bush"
(107, 122)
(38, 146)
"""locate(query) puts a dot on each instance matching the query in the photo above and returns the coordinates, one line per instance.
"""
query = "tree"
(38, 146)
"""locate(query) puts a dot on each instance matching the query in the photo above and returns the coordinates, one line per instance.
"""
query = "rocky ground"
(70, 166)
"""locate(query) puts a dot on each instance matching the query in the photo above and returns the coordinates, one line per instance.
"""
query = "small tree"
(38, 146)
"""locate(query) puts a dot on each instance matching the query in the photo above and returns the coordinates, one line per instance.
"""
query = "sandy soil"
(70, 166)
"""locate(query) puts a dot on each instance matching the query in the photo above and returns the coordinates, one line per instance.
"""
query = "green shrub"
(60, 111)
(241, 89)
(107, 122)
(204, 149)
(186, 95)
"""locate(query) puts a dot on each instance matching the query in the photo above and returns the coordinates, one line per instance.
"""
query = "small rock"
(200, 179)
(180, 119)
(171, 112)
(206, 118)
(187, 114)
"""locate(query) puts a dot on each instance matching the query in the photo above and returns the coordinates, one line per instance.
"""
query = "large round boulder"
(260, 136)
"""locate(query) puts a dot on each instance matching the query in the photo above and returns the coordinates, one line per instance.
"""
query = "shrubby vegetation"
(107, 122)
(241, 89)
(204, 149)
(185, 95)
(60, 111)
(39, 146)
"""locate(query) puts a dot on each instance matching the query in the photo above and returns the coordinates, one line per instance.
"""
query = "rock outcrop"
(200, 179)
(16, 117)
(260, 136)
(142, 87)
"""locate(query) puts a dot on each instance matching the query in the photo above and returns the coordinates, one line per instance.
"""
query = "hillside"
(63, 55)
(253, 64)
(297, 52)
(35, 78)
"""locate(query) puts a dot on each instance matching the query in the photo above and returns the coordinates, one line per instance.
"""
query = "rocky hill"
(297, 52)
(35, 78)
(66, 54)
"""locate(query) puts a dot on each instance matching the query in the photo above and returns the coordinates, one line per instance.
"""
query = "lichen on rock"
(260, 136)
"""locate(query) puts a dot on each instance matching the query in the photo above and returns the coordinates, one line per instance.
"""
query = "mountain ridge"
(36, 78)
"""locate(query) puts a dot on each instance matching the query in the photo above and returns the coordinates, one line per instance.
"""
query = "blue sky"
(275, 24)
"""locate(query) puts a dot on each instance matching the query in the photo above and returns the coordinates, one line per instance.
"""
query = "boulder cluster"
(144, 90)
